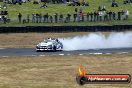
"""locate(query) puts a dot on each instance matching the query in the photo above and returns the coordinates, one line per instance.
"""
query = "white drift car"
(49, 45)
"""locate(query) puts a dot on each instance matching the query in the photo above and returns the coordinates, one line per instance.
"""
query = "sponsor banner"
(103, 78)
(84, 78)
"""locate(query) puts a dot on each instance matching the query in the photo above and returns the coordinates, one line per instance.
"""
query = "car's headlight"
(37, 46)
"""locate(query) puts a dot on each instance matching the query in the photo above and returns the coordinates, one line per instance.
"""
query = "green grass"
(29, 8)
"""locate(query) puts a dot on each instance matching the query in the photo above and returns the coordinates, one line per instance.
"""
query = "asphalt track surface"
(32, 52)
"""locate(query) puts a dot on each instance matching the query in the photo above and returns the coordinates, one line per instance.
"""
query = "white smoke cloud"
(98, 41)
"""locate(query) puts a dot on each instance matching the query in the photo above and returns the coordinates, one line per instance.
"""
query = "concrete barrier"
(60, 29)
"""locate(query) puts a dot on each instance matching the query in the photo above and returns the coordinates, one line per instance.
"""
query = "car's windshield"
(46, 41)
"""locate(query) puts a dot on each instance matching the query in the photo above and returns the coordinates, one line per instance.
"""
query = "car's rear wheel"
(54, 48)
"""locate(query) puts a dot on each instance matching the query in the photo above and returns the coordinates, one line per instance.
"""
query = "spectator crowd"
(77, 16)
(101, 14)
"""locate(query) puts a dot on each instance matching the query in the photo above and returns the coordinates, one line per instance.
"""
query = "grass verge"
(60, 71)
(29, 40)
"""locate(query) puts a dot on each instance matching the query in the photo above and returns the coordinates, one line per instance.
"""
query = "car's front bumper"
(43, 48)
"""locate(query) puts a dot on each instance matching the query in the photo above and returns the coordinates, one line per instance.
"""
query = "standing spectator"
(40, 18)
(56, 17)
(78, 17)
(91, 16)
(88, 16)
(100, 15)
(28, 18)
(82, 14)
(68, 17)
(20, 17)
(61, 17)
(95, 15)
(51, 19)
(33, 18)
(76, 10)
(119, 15)
(110, 15)
(46, 17)
(114, 15)
(4, 19)
(105, 16)
(123, 14)
(127, 14)
(37, 18)
(75, 17)
(75, 14)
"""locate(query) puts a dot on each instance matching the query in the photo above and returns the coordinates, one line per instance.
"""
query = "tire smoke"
(97, 41)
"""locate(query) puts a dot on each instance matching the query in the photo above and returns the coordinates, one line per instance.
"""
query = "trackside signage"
(84, 78)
